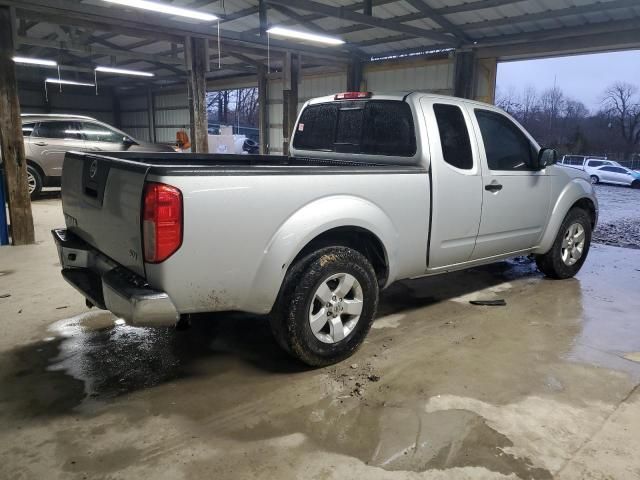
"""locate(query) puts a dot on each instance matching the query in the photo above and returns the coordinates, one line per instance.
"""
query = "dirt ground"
(619, 222)
(545, 387)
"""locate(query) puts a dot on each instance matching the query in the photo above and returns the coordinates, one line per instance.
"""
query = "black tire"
(290, 318)
(35, 181)
(594, 179)
(635, 184)
(551, 263)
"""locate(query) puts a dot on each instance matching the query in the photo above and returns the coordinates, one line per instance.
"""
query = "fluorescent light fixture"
(68, 82)
(123, 71)
(312, 37)
(164, 8)
(35, 61)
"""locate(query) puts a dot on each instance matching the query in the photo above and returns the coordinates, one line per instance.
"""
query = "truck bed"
(219, 164)
(102, 193)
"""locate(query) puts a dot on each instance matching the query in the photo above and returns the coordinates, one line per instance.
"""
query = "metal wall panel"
(172, 100)
(436, 76)
(70, 101)
(171, 115)
(133, 102)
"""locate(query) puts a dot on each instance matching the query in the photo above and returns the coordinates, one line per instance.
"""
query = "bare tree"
(508, 100)
(552, 104)
(622, 104)
(528, 104)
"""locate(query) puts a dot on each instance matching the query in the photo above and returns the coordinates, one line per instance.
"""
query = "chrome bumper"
(110, 286)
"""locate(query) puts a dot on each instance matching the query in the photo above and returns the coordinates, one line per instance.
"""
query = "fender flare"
(307, 223)
(576, 190)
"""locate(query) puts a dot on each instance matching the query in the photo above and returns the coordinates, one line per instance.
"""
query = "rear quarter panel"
(241, 232)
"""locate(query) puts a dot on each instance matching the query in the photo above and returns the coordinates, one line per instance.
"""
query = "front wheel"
(594, 179)
(326, 306)
(570, 248)
(635, 184)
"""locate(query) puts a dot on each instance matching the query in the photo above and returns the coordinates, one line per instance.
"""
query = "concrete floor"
(546, 387)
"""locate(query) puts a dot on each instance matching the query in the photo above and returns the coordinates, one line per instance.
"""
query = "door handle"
(40, 144)
(493, 187)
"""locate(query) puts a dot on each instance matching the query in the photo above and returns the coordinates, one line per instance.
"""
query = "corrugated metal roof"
(480, 20)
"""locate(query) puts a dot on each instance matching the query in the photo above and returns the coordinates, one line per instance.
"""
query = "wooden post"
(290, 74)
(11, 141)
(198, 82)
(464, 74)
(263, 109)
(354, 75)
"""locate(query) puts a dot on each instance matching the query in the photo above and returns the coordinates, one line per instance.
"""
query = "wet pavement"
(544, 387)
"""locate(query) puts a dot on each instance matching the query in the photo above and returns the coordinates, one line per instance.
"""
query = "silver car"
(617, 175)
(48, 137)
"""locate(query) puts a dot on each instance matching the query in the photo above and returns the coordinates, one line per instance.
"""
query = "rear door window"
(454, 136)
(382, 127)
(27, 129)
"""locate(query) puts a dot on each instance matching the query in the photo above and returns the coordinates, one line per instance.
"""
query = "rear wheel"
(326, 306)
(34, 181)
(570, 248)
(594, 179)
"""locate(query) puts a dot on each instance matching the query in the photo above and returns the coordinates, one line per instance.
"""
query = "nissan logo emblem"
(93, 169)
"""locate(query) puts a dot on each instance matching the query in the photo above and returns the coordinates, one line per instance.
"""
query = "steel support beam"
(441, 20)
(146, 24)
(388, 24)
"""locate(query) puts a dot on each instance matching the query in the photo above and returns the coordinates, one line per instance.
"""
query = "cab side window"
(454, 136)
(506, 147)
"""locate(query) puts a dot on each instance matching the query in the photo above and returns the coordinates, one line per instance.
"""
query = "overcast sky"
(583, 77)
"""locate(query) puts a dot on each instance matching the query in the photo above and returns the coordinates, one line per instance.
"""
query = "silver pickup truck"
(378, 188)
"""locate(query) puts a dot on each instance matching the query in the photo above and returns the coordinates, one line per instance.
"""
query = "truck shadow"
(92, 360)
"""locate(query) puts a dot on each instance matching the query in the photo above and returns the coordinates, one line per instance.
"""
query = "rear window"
(373, 127)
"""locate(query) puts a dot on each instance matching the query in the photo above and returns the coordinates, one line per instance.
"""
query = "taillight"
(351, 95)
(161, 221)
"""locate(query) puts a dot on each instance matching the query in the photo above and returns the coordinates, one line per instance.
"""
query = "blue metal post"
(4, 227)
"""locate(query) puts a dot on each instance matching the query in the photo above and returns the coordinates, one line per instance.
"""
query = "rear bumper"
(110, 286)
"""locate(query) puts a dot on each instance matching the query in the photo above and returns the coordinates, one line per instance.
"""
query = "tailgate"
(101, 200)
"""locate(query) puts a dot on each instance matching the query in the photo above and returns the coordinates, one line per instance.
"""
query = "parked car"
(584, 162)
(615, 174)
(48, 137)
(378, 188)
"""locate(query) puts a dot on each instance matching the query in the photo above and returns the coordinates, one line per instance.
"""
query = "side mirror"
(127, 142)
(546, 157)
